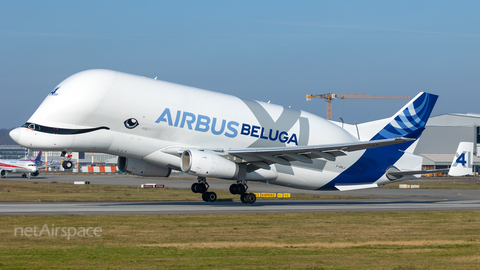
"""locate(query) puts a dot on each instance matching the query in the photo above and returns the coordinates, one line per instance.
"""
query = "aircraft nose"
(15, 135)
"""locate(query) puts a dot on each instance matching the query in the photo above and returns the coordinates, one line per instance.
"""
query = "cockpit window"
(32, 126)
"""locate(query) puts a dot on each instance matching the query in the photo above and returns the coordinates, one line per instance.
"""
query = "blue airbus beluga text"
(167, 126)
(205, 123)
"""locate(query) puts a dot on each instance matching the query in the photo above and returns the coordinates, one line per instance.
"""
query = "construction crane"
(331, 96)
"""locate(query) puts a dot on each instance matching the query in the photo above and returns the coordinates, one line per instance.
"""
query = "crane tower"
(331, 96)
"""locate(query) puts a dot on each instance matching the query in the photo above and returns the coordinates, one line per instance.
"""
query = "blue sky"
(264, 50)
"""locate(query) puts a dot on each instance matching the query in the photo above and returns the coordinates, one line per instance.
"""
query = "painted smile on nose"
(58, 131)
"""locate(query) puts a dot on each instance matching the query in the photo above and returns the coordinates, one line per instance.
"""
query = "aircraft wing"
(283, 155)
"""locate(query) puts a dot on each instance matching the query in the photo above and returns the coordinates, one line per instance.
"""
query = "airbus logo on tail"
(464, 159)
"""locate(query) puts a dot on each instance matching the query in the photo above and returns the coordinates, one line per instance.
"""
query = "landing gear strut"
(67, 164)
(241, 188)
(201, 187)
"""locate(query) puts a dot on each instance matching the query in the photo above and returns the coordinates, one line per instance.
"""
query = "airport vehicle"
(156, 126)
(26, 167)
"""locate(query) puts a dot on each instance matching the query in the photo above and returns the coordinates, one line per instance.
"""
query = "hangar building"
(442, 135)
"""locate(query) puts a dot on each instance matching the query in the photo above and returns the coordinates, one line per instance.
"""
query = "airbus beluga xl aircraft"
(156, 126)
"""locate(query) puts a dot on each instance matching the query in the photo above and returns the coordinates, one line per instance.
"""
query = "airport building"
(12, 152)
(442, 135)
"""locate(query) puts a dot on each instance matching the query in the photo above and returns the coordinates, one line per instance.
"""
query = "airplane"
(27, 167)
(156, 127)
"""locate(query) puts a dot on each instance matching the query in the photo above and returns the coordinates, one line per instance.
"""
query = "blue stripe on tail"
(410, 120)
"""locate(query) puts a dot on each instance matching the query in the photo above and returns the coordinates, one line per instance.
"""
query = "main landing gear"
(201, 187)
(241, 188)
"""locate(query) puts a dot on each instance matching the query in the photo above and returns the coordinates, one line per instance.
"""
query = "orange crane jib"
(331, 96)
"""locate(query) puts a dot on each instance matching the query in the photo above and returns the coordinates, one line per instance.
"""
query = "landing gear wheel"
(24, 175)
(248, 198)
(237, 189)
(233, 189)
(67, 165)
(242, 197)
(205, 196)
(201, 188)
(194, 187)
(209, 196)
(251, 198)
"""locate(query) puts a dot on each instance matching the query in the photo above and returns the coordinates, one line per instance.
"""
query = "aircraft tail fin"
(39, 156)
(463, 160)
(410, 121)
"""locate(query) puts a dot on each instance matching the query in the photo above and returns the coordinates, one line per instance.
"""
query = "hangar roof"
(455, 119)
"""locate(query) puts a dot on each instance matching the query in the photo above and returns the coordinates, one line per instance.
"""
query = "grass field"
(387, 240)
(15, 191)
(417, 240)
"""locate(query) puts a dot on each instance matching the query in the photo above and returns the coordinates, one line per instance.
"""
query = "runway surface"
(382, 200)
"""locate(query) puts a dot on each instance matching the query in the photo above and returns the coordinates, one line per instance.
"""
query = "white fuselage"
(18, 166)
(150, 120)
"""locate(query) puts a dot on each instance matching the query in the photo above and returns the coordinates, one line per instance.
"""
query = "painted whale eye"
(131, 123)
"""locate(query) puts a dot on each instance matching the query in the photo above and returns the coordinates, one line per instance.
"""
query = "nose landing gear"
(67, 164)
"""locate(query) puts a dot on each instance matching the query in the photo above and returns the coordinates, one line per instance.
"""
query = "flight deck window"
(34, 127)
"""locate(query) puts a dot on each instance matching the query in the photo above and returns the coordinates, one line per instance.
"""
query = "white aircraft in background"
(26, 167)
(155, 126)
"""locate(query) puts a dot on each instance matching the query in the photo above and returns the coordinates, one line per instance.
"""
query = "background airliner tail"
(462, 162)
(38, 158)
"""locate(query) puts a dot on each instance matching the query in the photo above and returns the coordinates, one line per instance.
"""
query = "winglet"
(462, 162)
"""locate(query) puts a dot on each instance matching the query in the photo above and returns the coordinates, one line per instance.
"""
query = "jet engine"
(142, 168)
(35, 173)
(206, 164)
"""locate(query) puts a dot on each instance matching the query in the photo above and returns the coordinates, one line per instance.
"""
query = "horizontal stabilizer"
(403, 173)
(355, 187)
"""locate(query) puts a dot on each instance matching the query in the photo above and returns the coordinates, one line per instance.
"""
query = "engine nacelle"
(206, 164)
(142, 168)
(35, 173)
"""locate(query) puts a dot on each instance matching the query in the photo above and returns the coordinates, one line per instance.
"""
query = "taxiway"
(380, 199)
